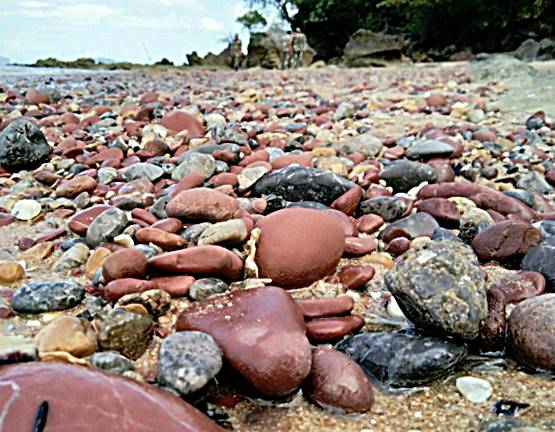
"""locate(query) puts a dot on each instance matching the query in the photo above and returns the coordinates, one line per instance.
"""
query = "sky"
(141, 31)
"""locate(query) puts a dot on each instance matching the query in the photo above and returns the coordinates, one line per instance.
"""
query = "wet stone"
(395, 361)
(38, 297)
(187, 361)
(439, 287)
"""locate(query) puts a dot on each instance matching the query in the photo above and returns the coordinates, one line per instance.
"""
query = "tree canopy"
(429, 25)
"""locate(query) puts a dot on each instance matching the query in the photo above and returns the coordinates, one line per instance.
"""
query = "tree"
(252, 20)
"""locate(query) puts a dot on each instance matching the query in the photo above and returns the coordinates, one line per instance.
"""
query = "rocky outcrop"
(366, 48)
(223, 59)
(265, 49)
(531, 50)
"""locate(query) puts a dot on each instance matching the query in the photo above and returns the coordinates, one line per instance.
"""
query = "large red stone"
(202, 204)
(85, 400)
(505, 239)
(72, 188)
(178, 121)
(200, 260)
(298, 246)
(261, 332)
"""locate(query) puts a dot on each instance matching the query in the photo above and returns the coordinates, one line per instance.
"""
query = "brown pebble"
(325, 330)
(326, 307)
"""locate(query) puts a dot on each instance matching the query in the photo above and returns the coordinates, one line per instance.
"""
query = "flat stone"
(475, 390)
(140, 408)
(200, 260)
(229, 232)
(26, 209)
(428, 149)
(38, 297)
(188, 360)
(261, 332)
(439, 286)
(394, 361)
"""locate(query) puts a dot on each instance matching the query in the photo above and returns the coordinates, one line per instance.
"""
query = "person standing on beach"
(286, 50)
(236, 51)
(298, 43)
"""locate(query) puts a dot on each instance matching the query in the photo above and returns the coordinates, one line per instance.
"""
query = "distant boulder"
(531, 50)
(366, 48)
(223, 59)
(266, 49)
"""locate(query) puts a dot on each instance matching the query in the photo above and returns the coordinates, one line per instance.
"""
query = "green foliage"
(252, 20)
(441, 25)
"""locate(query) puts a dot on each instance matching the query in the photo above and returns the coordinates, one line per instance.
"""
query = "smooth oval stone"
(359, 246)
(178, 121)
(428, 149)
(336, 382)
(326, 307)
(411, 227)
(194, 162)
(229, 232)
(541, 259)
(348, 202)
(200, 260)
(531, 339)
(297, 183)
(38, 297)
(187, 361)
(505, 239)
(111, 362)
(261, 332)
(75, 186)
(327, 330)
(22, 146)
(389, 208)
(439, 286)
(125, 332)
(26, 209)
(161, 238)
(298, 246)
(394, 361)
(107, 225)
(354, 277)
(80, 222)
(143, 170)
(403, 175)
(68, 391)
(125, 263)
(202, 204)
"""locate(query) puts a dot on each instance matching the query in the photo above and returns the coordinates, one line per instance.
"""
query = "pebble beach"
(322, 249)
